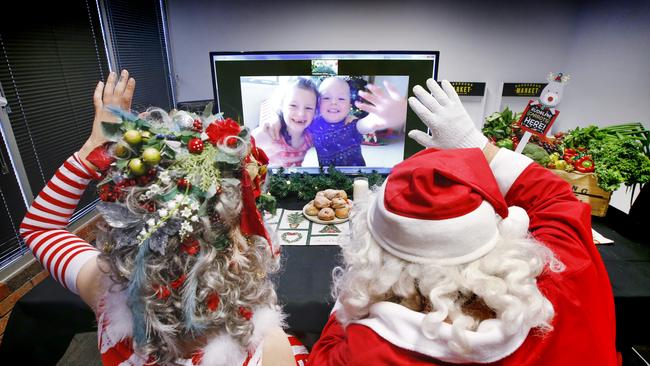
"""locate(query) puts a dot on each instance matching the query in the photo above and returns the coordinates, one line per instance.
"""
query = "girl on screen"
(296, 113)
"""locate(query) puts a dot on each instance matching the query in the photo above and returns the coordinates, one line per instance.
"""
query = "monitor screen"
(315, 101)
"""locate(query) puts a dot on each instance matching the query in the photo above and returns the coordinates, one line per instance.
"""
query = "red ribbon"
(101, 158)
(250, 220)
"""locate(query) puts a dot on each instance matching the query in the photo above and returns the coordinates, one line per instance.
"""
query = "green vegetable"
(586, 136)
(506, 143)
(499, 125)
(620, 153)
(537, 153)
(620, 160)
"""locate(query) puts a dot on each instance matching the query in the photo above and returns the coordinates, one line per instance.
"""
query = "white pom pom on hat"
(442, 207)
(515, 226)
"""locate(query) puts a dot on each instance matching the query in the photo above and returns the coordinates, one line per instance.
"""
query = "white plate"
(315, 219)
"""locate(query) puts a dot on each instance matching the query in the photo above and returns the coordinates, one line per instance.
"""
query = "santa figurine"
(468, 254)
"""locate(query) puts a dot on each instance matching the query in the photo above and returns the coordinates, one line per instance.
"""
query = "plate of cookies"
(330, 206)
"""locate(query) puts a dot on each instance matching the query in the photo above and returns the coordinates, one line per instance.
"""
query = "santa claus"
(468, 254)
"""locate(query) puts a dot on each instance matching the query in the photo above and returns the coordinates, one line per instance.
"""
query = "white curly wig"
(504, 279)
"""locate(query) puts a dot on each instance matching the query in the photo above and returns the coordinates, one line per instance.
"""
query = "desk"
(628, 266)
(45, 320)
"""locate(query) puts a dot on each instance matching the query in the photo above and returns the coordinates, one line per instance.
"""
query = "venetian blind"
(137, 36)
(51, 57)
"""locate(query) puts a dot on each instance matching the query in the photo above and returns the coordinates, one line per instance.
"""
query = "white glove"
(444, 114)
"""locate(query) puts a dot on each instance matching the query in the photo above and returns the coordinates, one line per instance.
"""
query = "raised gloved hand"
(444, 114)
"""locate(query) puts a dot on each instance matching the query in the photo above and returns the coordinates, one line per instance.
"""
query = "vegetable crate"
(585, 187)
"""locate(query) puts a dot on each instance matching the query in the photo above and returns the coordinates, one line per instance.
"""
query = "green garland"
(304, 186)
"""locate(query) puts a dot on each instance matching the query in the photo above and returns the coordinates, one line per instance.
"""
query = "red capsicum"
(585, 164)
(568, 155)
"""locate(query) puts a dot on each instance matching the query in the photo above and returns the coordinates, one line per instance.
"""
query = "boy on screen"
(336, 142)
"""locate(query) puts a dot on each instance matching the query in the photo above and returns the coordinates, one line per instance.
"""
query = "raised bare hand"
(387, 109)
(118, 94)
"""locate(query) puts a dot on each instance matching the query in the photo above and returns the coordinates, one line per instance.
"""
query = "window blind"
(51, 57)
(137, 35)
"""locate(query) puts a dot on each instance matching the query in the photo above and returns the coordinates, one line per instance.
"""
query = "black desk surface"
(44, 321)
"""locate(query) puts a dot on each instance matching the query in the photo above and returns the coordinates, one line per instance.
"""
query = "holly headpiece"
(179, 160)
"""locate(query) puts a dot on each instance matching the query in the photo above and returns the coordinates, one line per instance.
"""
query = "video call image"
(311, 121)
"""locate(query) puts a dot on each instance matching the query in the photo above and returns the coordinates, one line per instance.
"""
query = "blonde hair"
(228, 274)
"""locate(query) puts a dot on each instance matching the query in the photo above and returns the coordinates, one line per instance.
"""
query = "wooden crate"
(585, 187)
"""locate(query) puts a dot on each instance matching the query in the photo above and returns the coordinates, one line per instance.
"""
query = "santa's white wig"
(504, 279)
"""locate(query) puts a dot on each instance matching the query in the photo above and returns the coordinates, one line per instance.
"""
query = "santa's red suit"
(583, 326)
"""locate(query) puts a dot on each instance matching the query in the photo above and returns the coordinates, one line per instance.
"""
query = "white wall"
(477, 43)
(609, 63)
(604, 46)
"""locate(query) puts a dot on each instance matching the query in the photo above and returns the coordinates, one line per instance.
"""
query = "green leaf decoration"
(105, 180)
(173, 147)
(121, 163)
(159, 130)
(207, 111)
(221, 242)
(170, 195)
(142, 124)
(128, 125)
(305, 186)
(187, 138)
(203, 209)
(168, 154)
(222, 157)
(112, 131)
(153, 142)
(266, 202)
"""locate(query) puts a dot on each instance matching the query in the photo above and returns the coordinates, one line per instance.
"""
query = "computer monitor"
(250, 86)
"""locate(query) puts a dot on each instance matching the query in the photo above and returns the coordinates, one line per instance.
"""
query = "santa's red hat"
(442, 207)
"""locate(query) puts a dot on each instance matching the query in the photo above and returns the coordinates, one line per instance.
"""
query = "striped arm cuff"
(44, 226)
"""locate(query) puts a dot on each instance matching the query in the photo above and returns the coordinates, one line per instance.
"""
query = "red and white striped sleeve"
(44, 226)
(300, 352)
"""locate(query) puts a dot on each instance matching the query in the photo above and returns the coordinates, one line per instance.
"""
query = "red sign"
(537, 119)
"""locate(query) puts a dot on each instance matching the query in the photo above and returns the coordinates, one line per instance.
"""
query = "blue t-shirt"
(337, 143)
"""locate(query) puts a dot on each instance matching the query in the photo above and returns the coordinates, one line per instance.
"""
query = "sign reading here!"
(537, 119)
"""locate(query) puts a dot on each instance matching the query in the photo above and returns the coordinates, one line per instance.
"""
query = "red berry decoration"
(213, 301)
(195, 146)
(162, 292)
(246, 313)
(191, 246)
(143, 180)
(149, 206)
(231, 142)
(178, 282)
(197, 125)
(183, 184)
